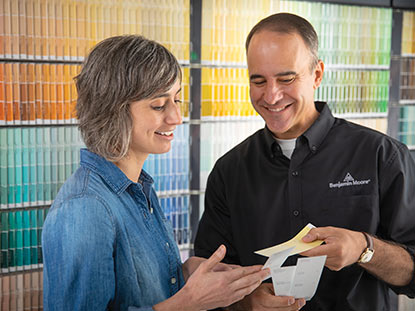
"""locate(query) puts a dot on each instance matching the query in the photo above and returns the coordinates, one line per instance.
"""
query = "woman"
(106, 243)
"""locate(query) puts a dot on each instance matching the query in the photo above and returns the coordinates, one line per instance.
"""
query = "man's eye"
(258, 82)
(287, 81)
(178, 101)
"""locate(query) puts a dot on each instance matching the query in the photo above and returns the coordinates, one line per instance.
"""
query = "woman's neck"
(131, 165)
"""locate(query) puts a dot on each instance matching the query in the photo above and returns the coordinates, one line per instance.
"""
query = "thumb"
(312, 235)
(214, 259)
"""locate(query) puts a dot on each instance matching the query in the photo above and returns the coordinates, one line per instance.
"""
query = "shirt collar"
(109, 172)
(320, 128)
(315, 133)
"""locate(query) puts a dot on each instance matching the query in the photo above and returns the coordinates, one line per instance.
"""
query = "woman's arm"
(77, 242)
(208, 288)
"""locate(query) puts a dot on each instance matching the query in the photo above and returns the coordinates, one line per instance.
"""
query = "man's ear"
(318, 74)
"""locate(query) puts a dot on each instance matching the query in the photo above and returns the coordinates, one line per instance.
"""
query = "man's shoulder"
(353, 134)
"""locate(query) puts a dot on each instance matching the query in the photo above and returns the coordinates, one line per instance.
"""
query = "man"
(355, 184)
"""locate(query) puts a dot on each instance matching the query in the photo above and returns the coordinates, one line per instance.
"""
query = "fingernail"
(291, 301)
(301, 303)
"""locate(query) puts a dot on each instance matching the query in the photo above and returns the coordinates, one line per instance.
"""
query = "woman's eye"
(158, 108)
(178, 101)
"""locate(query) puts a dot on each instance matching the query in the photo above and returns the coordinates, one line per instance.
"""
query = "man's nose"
(273, 93)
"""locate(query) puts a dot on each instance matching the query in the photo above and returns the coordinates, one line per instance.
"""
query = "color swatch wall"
(406, 132)
(42, 46)
(355, 45)
(43, 43)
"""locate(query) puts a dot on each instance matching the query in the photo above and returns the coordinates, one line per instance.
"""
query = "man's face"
(281, 83)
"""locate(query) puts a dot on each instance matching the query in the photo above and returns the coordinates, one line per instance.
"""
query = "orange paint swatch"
(59, 92)
(2, 96)
(31, 94)
(24, 105)
(16, 93)
(38, 93)
(46, 93)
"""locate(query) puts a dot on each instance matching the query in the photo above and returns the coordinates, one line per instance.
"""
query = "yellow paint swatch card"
(296, 243)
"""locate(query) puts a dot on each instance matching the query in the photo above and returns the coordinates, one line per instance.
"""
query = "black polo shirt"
(341, 174)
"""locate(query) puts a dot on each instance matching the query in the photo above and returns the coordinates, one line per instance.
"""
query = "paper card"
(282, 279)
(297, 245)
(299, 281)
(276, 260)
(307, 276)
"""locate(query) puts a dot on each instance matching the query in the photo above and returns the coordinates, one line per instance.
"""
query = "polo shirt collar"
(314, 135)
(109, 172)
(320, 128)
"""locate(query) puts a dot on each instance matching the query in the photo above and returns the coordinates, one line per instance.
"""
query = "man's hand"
(263, 299)
(343, 247)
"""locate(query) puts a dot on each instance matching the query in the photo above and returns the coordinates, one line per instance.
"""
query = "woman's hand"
(191, 264)
(208, 288)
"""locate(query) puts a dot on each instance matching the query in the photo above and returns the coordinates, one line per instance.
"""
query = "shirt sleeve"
(78, 244)
(215, 225)
(397, 204)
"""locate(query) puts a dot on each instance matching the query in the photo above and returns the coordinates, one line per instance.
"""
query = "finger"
(250, 279)
(214, 259)
(324, 249)
(224, 267)
(321, 233)
(240, 272)
(272, 301)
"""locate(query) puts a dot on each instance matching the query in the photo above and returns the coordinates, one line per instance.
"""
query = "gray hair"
(289, 23)
(118, 71)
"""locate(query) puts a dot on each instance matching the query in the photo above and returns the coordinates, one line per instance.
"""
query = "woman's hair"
(118, 71)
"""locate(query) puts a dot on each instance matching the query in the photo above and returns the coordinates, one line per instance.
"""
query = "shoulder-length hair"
(118, 71)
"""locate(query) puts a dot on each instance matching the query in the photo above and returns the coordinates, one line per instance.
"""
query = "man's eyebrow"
(165, 94)
(280, 74)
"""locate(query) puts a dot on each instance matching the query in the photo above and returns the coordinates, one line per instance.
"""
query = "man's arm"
(390, 262)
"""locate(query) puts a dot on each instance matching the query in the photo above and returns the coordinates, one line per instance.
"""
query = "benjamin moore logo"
(349, 181)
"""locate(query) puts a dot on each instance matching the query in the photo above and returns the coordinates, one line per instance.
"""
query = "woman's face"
(154, 121)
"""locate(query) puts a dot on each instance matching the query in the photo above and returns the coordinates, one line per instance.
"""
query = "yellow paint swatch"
(296, 242)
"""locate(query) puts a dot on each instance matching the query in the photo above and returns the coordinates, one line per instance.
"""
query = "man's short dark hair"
(287, 23)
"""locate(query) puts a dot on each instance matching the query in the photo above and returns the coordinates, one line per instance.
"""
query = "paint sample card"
(296, 243)
(299, 281)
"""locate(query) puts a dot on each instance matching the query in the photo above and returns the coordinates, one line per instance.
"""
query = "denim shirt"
(107, 244)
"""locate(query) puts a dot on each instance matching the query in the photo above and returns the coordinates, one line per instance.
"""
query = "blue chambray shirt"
(107, 244)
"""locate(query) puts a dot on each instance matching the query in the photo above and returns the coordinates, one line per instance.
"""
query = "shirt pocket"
(355, 212)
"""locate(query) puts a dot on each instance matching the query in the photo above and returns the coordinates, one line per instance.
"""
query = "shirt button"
(173, 280)
(151, 210)
(167, 244)
(295, 173)
(314, 148)
(296, 213)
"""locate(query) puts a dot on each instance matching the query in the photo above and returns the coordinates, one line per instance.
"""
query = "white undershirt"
(287, 146)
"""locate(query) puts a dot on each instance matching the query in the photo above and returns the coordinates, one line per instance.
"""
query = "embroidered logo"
(349, 181)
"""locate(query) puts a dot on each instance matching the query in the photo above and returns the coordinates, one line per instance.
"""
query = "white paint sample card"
(299, 281)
